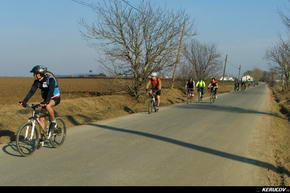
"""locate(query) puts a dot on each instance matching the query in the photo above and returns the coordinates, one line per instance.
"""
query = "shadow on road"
(279, 170)
(8, 133)
(11, 149)
(212, 107)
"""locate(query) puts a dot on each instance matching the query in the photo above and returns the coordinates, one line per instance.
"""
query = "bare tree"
(257, 74)
(203, 59)
(139, 40)
(186, 32)
(285, 18)
(280, 55)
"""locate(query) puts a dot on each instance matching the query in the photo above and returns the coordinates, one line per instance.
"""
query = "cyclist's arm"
(209, 85)
(50, 90)
(148, 85)
(159, 86)
(31, 92)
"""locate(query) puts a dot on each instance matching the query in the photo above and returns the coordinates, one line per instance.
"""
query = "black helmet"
(39, 69)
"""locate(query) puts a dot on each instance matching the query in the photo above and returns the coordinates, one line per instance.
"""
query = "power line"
(88, 4)
(81, 3)
(128, 3)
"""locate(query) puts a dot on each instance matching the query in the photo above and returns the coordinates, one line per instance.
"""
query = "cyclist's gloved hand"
(43, 104)
(22, 103)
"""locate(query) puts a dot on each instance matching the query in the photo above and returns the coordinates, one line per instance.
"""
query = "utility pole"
(240, 66)
(225, 68)
(178, 54)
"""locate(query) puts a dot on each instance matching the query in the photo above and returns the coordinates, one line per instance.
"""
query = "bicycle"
(236, 88)
(243, 87)
(29, 135)
(152, 103)
(212, 95)
(200, 94)
(189, 96)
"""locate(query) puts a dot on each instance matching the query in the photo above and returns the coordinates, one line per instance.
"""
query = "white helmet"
(154, 74)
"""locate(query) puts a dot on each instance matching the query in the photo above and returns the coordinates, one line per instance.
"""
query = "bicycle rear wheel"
(59, 134)
(27, 139)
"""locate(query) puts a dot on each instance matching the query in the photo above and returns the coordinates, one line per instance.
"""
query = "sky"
(47, 32)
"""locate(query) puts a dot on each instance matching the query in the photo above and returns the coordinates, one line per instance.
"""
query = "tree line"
(138, 40)
(279, 55)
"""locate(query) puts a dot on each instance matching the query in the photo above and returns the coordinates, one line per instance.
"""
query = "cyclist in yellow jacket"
(200, 85)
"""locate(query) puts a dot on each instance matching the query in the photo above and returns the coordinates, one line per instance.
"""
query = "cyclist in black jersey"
(49, 91)
(190, 86)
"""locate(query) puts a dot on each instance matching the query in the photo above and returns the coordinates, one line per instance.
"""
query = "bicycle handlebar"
(33, 106)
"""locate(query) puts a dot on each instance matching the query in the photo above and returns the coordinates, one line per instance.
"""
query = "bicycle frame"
(34, 119)
(153, 98)
(153, 102)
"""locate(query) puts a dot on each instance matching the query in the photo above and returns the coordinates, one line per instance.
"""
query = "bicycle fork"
(32, 130)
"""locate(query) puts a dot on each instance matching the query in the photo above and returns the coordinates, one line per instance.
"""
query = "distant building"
(227, 78)
(247, 78)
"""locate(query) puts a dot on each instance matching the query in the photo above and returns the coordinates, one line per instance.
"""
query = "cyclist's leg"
(215, 92)
(55, 101)
(201, 92)
(158, 93)
(42, 120)
(49, 108)
(188, 93)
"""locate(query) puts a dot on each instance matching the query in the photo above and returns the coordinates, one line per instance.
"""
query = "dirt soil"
(82, 110)
(78, 111)
(282, 99)
(277, 138)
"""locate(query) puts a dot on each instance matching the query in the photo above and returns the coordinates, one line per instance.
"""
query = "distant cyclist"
(154, 85)
(213, 85)
(237, 85)
(50, 93)
(190, 87)
(243, 84)
(200, 85)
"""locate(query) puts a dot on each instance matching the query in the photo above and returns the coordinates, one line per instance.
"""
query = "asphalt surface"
(185, 144)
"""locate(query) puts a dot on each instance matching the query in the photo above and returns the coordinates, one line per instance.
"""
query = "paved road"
(195, 144)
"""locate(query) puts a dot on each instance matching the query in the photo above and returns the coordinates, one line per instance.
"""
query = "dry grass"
(14, 90)
(83, 101)
(278, 139)
(283, 99)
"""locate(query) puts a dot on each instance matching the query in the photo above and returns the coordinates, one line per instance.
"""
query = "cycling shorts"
(157, 91)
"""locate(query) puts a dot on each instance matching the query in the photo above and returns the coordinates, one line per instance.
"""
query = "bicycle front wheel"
(150, 106)
(211, 99)
(27, 139)
(59, 134)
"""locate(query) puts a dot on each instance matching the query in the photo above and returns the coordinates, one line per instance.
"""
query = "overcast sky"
(47, 32)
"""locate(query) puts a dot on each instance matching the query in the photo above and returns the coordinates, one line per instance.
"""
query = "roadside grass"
(83, 101)
(279, 135)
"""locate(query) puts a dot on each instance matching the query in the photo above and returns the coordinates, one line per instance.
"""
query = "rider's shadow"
(11, 149)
